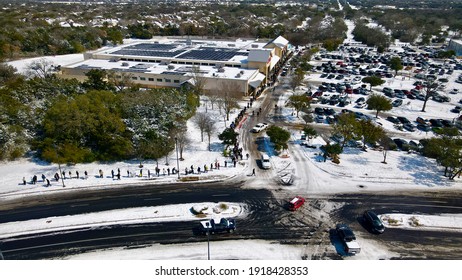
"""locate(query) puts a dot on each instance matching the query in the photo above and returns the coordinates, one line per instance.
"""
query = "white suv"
(259, 127)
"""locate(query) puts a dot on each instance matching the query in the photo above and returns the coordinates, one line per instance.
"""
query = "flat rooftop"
(196, 50)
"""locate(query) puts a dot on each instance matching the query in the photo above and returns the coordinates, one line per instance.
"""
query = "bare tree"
(41, 68)
(201, 120)
(198, 80)
(182, 142)
(430, 85)
(209, 129)
(213, 98)
(120, 80)
(229, 94)
(181, 138)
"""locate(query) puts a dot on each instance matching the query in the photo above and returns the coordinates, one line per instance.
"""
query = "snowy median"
(443, 222)
(168, 213)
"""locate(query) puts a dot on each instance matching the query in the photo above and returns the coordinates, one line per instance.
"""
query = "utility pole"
(209, 225)
(177, 160)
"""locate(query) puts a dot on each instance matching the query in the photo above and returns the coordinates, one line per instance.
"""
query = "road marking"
(80, 205)
(226, 194)
(156, 198)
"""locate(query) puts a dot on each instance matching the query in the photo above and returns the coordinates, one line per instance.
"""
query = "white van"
(265, 161)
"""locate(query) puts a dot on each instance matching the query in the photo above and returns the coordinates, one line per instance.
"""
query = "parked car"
(296, 203)
(373, 221)
(401, 144)
(397, 102)
(409, 127)
(436, 123)
(319, 119)
(424, 127)
(403, 120)
(393, 120)
(420, 120)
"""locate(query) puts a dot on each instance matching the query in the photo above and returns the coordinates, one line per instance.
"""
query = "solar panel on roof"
(151, 53)
(151, 46)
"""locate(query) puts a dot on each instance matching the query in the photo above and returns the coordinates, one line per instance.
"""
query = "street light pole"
(61, 174)
(209, 225)
(177, 160)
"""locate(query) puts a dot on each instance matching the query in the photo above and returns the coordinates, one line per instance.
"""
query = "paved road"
(409, 244)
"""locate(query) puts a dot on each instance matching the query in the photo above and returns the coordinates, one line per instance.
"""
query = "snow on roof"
(256, 81)
(159, 68)
(280, 41)
(259, 55)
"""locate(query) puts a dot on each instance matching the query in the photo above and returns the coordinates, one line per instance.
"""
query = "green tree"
(378, 103)
(447, 150)
(154, 145)
(85, 128)
(97, 80)
(369, 132)
(299, 102)
(396, 64)
(310, 132)
(332, 151)
(345, 127)
(279, 137)
(331, 44)
(228, 136)
(373, 81)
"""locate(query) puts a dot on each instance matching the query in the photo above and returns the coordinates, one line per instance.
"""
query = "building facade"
(245, 66)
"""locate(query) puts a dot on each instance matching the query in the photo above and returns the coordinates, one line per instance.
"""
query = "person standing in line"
(118, 176)
(112, 173)
(141, 172)
(77, 174)
(149, 174)
(48, 183)
(24, 180)
(168, 171)
(253, 172)
(70, 174)
(43, 178)
(86, 174)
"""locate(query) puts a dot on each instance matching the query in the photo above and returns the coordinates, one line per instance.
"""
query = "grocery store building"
(244, 66)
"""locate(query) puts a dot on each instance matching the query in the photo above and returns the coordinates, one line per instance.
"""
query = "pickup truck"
(213, 226)
(348, 239)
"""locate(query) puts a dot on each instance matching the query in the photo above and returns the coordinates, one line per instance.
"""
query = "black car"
(401, 144)
(373, 221)
(424, 127)
(403, 120)
(393, 120)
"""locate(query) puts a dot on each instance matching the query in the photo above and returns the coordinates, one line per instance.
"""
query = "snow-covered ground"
(358, 171)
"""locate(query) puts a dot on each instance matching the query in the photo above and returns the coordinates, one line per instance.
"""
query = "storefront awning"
(257, 80)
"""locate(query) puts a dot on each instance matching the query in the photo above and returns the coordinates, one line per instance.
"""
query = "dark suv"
(373, 221)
